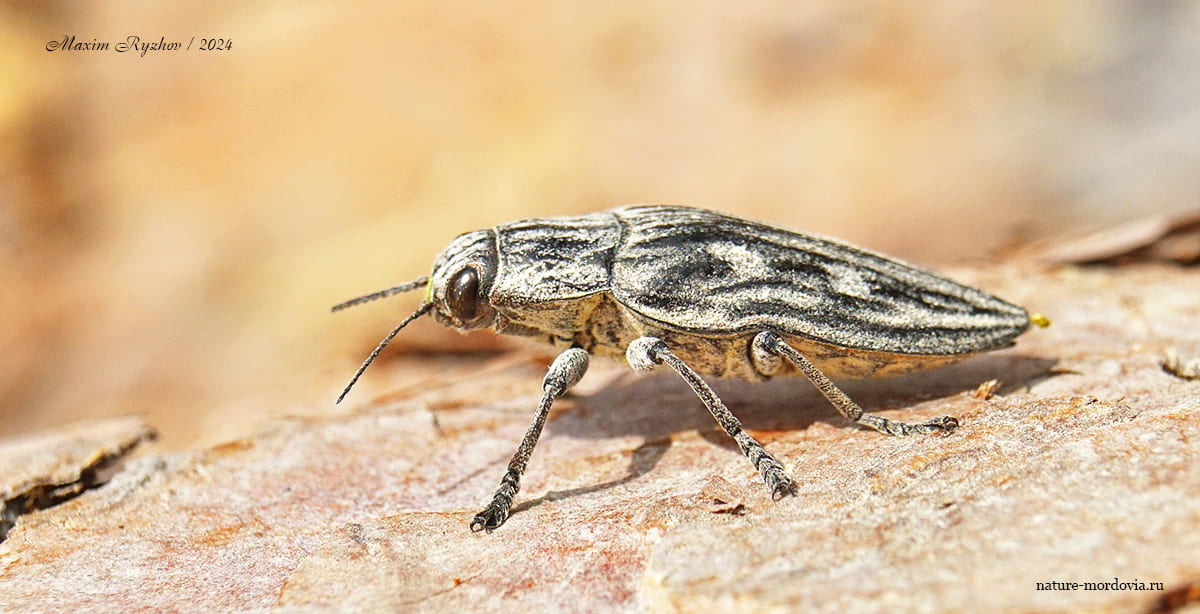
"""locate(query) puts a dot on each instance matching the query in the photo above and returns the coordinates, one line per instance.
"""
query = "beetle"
(703, 293)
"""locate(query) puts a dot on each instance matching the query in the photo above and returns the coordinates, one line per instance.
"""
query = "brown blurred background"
(174, 226)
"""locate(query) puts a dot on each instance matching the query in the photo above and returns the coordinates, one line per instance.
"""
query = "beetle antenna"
(422, 310)
(412, 285)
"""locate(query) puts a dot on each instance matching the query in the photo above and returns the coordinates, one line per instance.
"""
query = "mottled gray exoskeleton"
(704, 293)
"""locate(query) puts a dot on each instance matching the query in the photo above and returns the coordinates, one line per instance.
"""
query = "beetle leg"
(767, 346)
(564, 373)
(645, 353)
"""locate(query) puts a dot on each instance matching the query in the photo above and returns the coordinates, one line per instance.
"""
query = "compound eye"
(462, 296)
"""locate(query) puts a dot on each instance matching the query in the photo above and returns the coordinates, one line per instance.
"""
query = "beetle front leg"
(768, 346)
(564, 373)
(645, 353)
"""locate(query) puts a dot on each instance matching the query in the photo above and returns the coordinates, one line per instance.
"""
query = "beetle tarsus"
(780, 483)
(493, 515)
(945, 424)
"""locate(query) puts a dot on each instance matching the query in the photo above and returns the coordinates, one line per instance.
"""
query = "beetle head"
(462, 276)
(456, 291)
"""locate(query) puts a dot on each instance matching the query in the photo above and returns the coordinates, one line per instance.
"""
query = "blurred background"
(175, 225)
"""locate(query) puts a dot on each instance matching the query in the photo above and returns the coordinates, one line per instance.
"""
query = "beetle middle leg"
(768, 346)
(564, 373)
(645, 353)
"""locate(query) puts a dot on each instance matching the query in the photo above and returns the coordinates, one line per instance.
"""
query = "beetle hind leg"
(645, 353)
(768, 347)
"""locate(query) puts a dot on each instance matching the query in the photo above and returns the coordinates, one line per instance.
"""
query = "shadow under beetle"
(704, 293)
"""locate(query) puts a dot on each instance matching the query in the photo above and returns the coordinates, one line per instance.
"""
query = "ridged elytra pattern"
(702, 272)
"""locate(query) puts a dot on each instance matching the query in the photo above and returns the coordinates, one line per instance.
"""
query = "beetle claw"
(489, 519)
(945, 423)
(780, 482)
(784, 489)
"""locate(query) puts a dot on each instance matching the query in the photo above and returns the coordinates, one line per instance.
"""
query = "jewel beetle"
(704, 293)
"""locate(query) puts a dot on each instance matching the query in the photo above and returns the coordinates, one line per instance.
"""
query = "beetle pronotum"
(703, 293)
